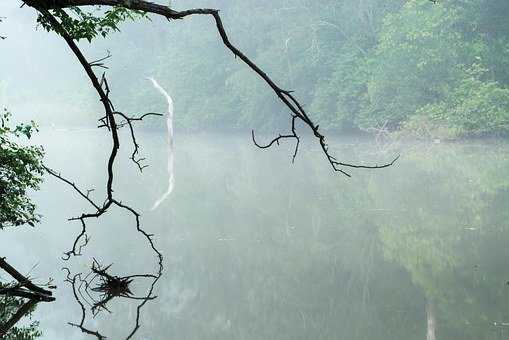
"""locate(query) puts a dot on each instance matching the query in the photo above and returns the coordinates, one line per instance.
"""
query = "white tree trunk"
(431, 322)
(171, 145)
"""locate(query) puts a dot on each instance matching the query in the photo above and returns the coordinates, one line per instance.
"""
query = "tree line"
(432, 69)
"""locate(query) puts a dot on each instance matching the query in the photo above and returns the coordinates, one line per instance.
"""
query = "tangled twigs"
(128, 121)
(98, 287)
(107, 287)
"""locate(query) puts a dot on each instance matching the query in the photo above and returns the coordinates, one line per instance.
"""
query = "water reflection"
(258, 248)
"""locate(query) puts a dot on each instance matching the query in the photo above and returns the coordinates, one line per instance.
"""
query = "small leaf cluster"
(89, 24)
(21, 170)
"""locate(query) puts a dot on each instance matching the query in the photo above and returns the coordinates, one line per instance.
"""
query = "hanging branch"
(297, 110)
(280, 137)
(108, 121)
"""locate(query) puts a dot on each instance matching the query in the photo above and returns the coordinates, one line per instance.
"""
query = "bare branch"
(99, 62)
(280, 137)
(102, 88)
(73, 185)
(128, 121)
(23, 280)
(286, 97)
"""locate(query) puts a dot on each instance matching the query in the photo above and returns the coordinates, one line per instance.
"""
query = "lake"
(256, 247)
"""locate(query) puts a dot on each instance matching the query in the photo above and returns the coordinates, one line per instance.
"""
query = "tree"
(434, 68)
(9, 306)
(451, 240)
(20, 170)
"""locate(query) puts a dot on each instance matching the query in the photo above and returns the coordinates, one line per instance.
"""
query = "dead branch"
(22, 280)
(109, 121)
(280, 137)
(73, 280)
(286, 96)
(100, 62)
(128, 121)
(23, 288)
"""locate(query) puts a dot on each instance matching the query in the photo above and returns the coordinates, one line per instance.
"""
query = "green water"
(258, 248)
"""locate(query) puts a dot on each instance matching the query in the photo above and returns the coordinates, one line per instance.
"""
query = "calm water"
(258, 248)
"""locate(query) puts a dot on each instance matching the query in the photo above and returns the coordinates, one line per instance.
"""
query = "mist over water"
(258, 248)
(255, 247)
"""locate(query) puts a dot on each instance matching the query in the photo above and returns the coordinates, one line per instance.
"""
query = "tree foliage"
(10, 305)
(20, 171)
(357, 65)
(89, 24)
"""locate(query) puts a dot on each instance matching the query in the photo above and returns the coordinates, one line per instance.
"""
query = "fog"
(255, 245)
(258, 248)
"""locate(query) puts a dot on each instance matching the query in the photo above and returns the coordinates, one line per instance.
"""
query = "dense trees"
(439, 69)
(433, 69)
(10, 305)
(431, 65)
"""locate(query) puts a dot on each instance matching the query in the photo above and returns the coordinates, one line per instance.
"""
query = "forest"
(429, 70)
(358, 65)
(254, 169)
